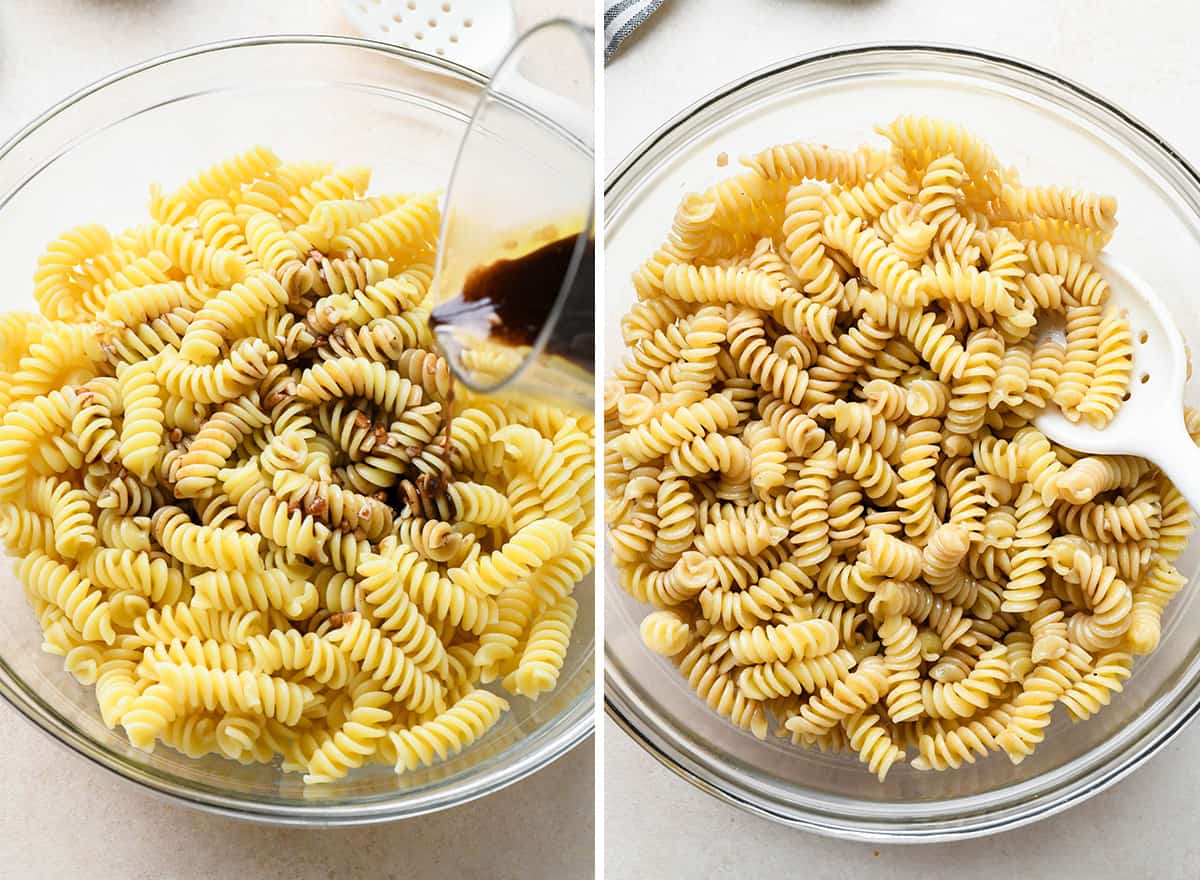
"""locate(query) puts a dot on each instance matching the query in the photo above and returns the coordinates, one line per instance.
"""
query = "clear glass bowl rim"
(1002, 816)
(549, 743)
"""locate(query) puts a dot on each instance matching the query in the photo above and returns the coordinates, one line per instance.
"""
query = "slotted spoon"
(1150, 422)
(473, 33)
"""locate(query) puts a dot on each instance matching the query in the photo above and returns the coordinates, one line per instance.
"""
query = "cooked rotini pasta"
(250, 507)
(821, 468)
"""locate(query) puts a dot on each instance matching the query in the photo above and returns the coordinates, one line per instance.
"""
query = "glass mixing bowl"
(91, 159)
(1053, 131)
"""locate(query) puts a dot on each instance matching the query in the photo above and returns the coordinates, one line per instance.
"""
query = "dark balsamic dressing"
(511, 300)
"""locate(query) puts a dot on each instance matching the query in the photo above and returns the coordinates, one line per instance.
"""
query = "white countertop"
(61, 817)
(1140, 55)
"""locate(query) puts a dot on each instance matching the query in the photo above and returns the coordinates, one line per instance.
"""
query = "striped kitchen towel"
(622, 18)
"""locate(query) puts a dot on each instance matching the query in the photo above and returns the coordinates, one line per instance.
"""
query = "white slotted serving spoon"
(1150, 423)
(473, 33)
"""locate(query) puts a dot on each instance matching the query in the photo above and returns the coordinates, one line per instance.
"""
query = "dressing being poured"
(510, 301)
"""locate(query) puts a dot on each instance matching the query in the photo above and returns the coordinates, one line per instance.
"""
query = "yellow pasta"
(821, 466)
(1110, 379)
(251, 508)
(879, 263)
(449, 732)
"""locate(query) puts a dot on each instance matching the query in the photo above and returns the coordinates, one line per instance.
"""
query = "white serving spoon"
(1150, 423)
(473, 33)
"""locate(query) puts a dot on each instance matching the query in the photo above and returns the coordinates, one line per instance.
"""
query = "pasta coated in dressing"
(821, 468)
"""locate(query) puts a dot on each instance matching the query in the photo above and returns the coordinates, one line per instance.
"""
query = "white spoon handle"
(1174, 451)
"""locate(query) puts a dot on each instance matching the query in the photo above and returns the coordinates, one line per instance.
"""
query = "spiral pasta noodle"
(821, 469)
(665, 632)
(449, 732)
(250, 506)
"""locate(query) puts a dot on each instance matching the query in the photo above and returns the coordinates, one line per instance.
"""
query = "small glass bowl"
(92, 158)
(1053, 131)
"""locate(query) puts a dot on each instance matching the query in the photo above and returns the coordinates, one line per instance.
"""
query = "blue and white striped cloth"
(622, 18)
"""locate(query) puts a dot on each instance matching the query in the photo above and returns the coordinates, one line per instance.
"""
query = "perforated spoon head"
(473, 33)
(1156, 388)
(1150, 421)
